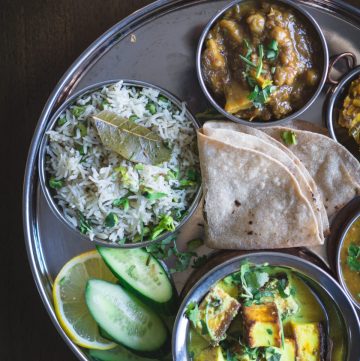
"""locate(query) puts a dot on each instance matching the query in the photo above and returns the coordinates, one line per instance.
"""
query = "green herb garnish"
(83, 129)
(192, 312)
(111, 220)
(289, 137)
(151, 107)
(84, 224)
(133, 117)
(272, 50)
(353, 258)
(121, 202)
(166, 224)
(260, 96)
(55, 183)
(76, 110)
(151, 195)
(61, 121)
(199, 261)
(259, 66)
(248, 49)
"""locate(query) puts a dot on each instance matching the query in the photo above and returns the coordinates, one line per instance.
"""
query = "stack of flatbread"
(260, 193)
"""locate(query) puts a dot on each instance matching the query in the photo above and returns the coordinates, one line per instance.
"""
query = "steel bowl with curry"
(262, 61)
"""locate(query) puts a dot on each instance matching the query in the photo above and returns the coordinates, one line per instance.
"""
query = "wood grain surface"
(39, 39)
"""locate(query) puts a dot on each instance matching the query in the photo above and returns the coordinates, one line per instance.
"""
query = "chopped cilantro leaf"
(289, 137)
(84, 224)
(55, 183)
(353, 258)
(192, 312)
(111, 220)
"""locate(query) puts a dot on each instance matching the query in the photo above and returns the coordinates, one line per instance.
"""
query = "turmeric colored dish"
(261, 312)
(350, 260)
(350, 113)
(261, 61)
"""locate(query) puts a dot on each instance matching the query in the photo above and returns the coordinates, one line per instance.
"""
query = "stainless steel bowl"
(49, 193)
(342, 318)
(338, 253)
(333, 107)
(325, 53)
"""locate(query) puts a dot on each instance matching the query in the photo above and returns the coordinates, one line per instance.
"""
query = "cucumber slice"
(141, 273)
(118, 353)
(126, 319)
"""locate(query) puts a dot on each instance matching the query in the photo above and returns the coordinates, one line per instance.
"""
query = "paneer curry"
(261, 61)
(260, 313)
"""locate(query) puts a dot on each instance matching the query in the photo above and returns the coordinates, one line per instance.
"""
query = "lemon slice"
(69, 299)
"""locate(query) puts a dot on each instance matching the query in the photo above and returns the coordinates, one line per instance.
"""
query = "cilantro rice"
(108, 197)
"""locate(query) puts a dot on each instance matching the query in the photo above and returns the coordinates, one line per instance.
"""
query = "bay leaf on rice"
(132, 141)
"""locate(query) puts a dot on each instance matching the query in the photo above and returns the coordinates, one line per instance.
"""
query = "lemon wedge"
(69, 299)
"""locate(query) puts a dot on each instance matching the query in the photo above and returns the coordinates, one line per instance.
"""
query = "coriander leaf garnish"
(248, 48)
(289, 137)
(353, 258)
(84, 224)
(260, 61)
(199, 261)
(151, 195)
(166, 224)
(121, 202)
(76, 110)
(55, 183)
(111, 220)
(61, 121)
(247, 61)
(192, 312)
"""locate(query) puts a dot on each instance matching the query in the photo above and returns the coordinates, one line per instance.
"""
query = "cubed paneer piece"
(309, 338)
(286, 306)
(210, 354)
(262, 325)
(229, 287)
(288, 352)
(217, 310)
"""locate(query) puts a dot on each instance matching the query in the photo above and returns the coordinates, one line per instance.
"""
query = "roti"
(252, 201)
(236, 134)
(335, 170)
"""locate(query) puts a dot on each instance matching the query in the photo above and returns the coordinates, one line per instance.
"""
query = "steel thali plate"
(156, 44)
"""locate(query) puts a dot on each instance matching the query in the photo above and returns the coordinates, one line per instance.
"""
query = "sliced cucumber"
(141, 273)
(126, 319)
(118, 353)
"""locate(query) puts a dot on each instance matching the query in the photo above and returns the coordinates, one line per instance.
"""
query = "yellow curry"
(350, 260)
(350, 113)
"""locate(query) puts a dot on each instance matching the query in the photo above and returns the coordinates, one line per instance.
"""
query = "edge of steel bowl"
(334, 98)
(232, 117)
(318, 276)
(42, 155)
(338, 260)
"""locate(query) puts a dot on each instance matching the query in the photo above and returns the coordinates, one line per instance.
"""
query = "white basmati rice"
(92, 176)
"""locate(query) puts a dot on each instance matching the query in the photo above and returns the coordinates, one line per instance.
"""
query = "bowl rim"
(42, 171)
(330, 107)
(308, 269)
(339, 274)
(291, 116)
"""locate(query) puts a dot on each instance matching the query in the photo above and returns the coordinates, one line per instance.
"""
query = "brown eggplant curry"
(261, 61)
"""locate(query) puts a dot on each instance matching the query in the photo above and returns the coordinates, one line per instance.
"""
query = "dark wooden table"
(39, 39)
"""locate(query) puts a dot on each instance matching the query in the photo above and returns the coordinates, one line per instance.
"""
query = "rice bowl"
(106, 197)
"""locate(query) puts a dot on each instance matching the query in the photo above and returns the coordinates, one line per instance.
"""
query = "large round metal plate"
(156, 44)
